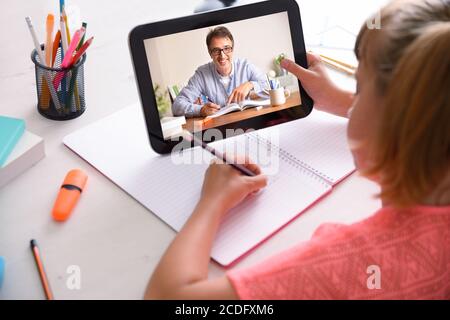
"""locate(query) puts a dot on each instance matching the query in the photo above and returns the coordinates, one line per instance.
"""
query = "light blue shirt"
(207, 81)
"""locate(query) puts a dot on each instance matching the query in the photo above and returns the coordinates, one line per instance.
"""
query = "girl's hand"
(326, 95)
(226, 187)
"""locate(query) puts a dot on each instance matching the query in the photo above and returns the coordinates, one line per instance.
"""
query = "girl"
(399, 135)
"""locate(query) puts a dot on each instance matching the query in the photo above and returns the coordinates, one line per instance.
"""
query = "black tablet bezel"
(141, 33)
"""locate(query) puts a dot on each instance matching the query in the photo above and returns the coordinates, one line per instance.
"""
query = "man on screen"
(219, 82)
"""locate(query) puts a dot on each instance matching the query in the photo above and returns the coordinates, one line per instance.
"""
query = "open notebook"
(312, 153)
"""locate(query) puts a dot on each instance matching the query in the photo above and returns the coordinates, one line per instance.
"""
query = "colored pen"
(64, 15)
(64, 46)
(80, 52)
(83, 26)
(61, 6)
(73, 45)
(40, 266)
(50, 23)
(68, 57)
(72, 85)
(56, 46)
(268, 82)
(77, 96)
(191, 138)
(205, 99)
(48, 50)
(42, 61)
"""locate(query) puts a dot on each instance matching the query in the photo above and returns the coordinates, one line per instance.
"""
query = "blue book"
(2, 268)
(11, 130)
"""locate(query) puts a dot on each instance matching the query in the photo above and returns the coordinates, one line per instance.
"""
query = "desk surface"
(198, 124)
(113, 239)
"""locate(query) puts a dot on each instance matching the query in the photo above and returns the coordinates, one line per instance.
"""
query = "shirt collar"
(231, 74)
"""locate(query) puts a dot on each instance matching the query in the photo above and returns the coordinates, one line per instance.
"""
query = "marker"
(37, 46)
(40, 265)
(191, 138)
(68, 195)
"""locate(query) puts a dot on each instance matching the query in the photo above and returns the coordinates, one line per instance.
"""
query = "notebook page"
(290, 191)
(319, 141)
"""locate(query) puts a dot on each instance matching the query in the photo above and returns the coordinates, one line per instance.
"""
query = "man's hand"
(209, 109)
(240, 93)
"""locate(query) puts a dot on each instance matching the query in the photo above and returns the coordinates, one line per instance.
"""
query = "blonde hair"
(410, 55)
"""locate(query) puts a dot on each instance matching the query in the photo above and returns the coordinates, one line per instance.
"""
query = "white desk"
(116, 242)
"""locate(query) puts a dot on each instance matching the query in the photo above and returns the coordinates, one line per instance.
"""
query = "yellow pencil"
(349, 66)
(64, 15)
(346, 70)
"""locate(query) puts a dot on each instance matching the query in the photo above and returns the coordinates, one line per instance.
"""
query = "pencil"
(56, 46)
(338, 62)
(350, 72)
(40, 266)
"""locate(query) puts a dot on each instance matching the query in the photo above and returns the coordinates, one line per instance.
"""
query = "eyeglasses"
(218, 51)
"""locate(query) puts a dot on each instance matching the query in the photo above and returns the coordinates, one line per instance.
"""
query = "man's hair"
(218, 32)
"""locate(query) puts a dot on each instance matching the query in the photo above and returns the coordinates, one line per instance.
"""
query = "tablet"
(219, 71)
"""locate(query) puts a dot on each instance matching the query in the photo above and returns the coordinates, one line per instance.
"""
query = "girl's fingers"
(312, 58)
(257, 182)
(253, 167)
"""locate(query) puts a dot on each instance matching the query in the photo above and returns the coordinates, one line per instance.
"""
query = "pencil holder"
(60, 91)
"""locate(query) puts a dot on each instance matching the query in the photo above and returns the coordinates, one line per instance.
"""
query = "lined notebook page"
(171, 191)
(319, 142)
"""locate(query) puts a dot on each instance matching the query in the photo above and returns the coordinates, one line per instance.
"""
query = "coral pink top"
(394, 254)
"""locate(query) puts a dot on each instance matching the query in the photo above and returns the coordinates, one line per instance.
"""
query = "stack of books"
(19, 149)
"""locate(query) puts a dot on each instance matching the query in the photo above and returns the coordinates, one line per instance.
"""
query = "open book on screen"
(241, 106)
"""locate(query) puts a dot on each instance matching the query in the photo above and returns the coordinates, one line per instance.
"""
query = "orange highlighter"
(69, 194)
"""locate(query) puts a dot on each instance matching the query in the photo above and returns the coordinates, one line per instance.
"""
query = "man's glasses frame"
(218, 51)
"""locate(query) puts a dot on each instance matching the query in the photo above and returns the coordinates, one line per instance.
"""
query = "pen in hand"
(191, 138)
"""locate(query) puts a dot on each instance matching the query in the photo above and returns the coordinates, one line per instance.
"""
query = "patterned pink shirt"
(394, 254)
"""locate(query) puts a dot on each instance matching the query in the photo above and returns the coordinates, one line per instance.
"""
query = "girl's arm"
(182, 272)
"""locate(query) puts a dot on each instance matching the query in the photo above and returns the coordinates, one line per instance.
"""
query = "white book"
(172, 126)
(172, 122)
(312, 153)
(27, 152)
(241, 106)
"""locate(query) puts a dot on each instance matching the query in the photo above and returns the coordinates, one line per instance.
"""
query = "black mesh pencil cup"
(60, 91)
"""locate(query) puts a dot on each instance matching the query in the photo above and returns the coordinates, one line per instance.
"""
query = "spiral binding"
(293, 161)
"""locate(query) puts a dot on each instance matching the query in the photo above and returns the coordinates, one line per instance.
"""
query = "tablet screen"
(223, 75)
